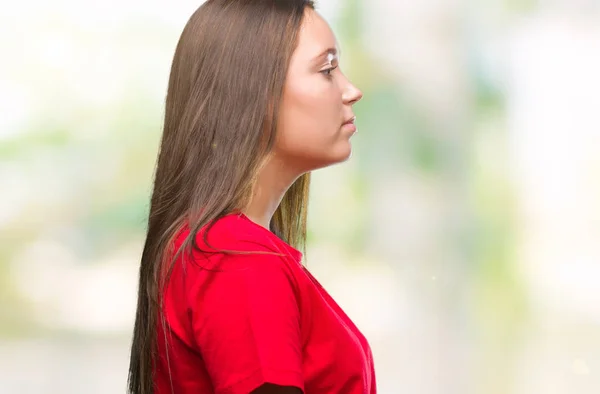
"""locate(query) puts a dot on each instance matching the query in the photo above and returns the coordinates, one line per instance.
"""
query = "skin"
(317, 101)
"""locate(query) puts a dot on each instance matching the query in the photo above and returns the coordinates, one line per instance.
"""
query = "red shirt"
(234, 322)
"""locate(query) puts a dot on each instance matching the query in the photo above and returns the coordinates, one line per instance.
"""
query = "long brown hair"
(225, 87)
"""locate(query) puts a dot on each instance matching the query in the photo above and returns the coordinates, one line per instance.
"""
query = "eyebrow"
(326, 52)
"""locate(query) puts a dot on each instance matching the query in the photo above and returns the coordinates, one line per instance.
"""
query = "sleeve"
(247, 326)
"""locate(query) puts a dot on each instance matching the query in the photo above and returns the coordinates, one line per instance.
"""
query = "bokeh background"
(463, 236)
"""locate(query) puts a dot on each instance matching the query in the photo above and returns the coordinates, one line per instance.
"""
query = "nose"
(351, 94)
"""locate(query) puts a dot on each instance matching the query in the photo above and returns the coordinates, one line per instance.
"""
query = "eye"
(327, 72)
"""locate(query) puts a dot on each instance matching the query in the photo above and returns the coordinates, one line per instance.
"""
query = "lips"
(349, 125)
(349, 121)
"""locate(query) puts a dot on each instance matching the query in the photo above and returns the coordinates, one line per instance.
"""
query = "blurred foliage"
(430, 176)
(103, 156)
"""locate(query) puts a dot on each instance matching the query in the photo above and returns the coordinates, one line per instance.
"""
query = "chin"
(347, 155)
(338, 156)
(345, 152)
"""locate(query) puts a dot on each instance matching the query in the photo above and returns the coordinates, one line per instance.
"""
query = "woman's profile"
(256, 101)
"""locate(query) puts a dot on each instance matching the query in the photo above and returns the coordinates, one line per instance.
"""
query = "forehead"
(315, 37)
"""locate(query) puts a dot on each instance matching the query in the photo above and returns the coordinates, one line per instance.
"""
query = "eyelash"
(328, 72)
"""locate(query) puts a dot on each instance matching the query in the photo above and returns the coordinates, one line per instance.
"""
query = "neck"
(273, 180)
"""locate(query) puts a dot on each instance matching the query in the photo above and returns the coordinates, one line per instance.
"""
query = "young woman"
(255, 101)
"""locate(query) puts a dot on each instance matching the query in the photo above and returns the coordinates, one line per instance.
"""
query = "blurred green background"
(463, 236)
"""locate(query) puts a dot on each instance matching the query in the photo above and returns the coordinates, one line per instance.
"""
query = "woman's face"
(316, 117)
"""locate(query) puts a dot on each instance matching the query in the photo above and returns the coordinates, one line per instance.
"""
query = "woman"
(255, 101)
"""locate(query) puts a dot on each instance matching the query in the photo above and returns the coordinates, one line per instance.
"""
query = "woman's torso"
(226, 356)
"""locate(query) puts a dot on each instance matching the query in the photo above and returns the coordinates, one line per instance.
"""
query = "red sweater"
(234, 322)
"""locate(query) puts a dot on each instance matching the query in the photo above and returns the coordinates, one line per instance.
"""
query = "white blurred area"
(434, 324)
(554, 119)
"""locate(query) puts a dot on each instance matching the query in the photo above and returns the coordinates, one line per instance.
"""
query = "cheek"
(310, 112)
(309, 124)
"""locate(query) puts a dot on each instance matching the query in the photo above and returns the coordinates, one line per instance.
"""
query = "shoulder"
(236, 233)
(235, 257)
